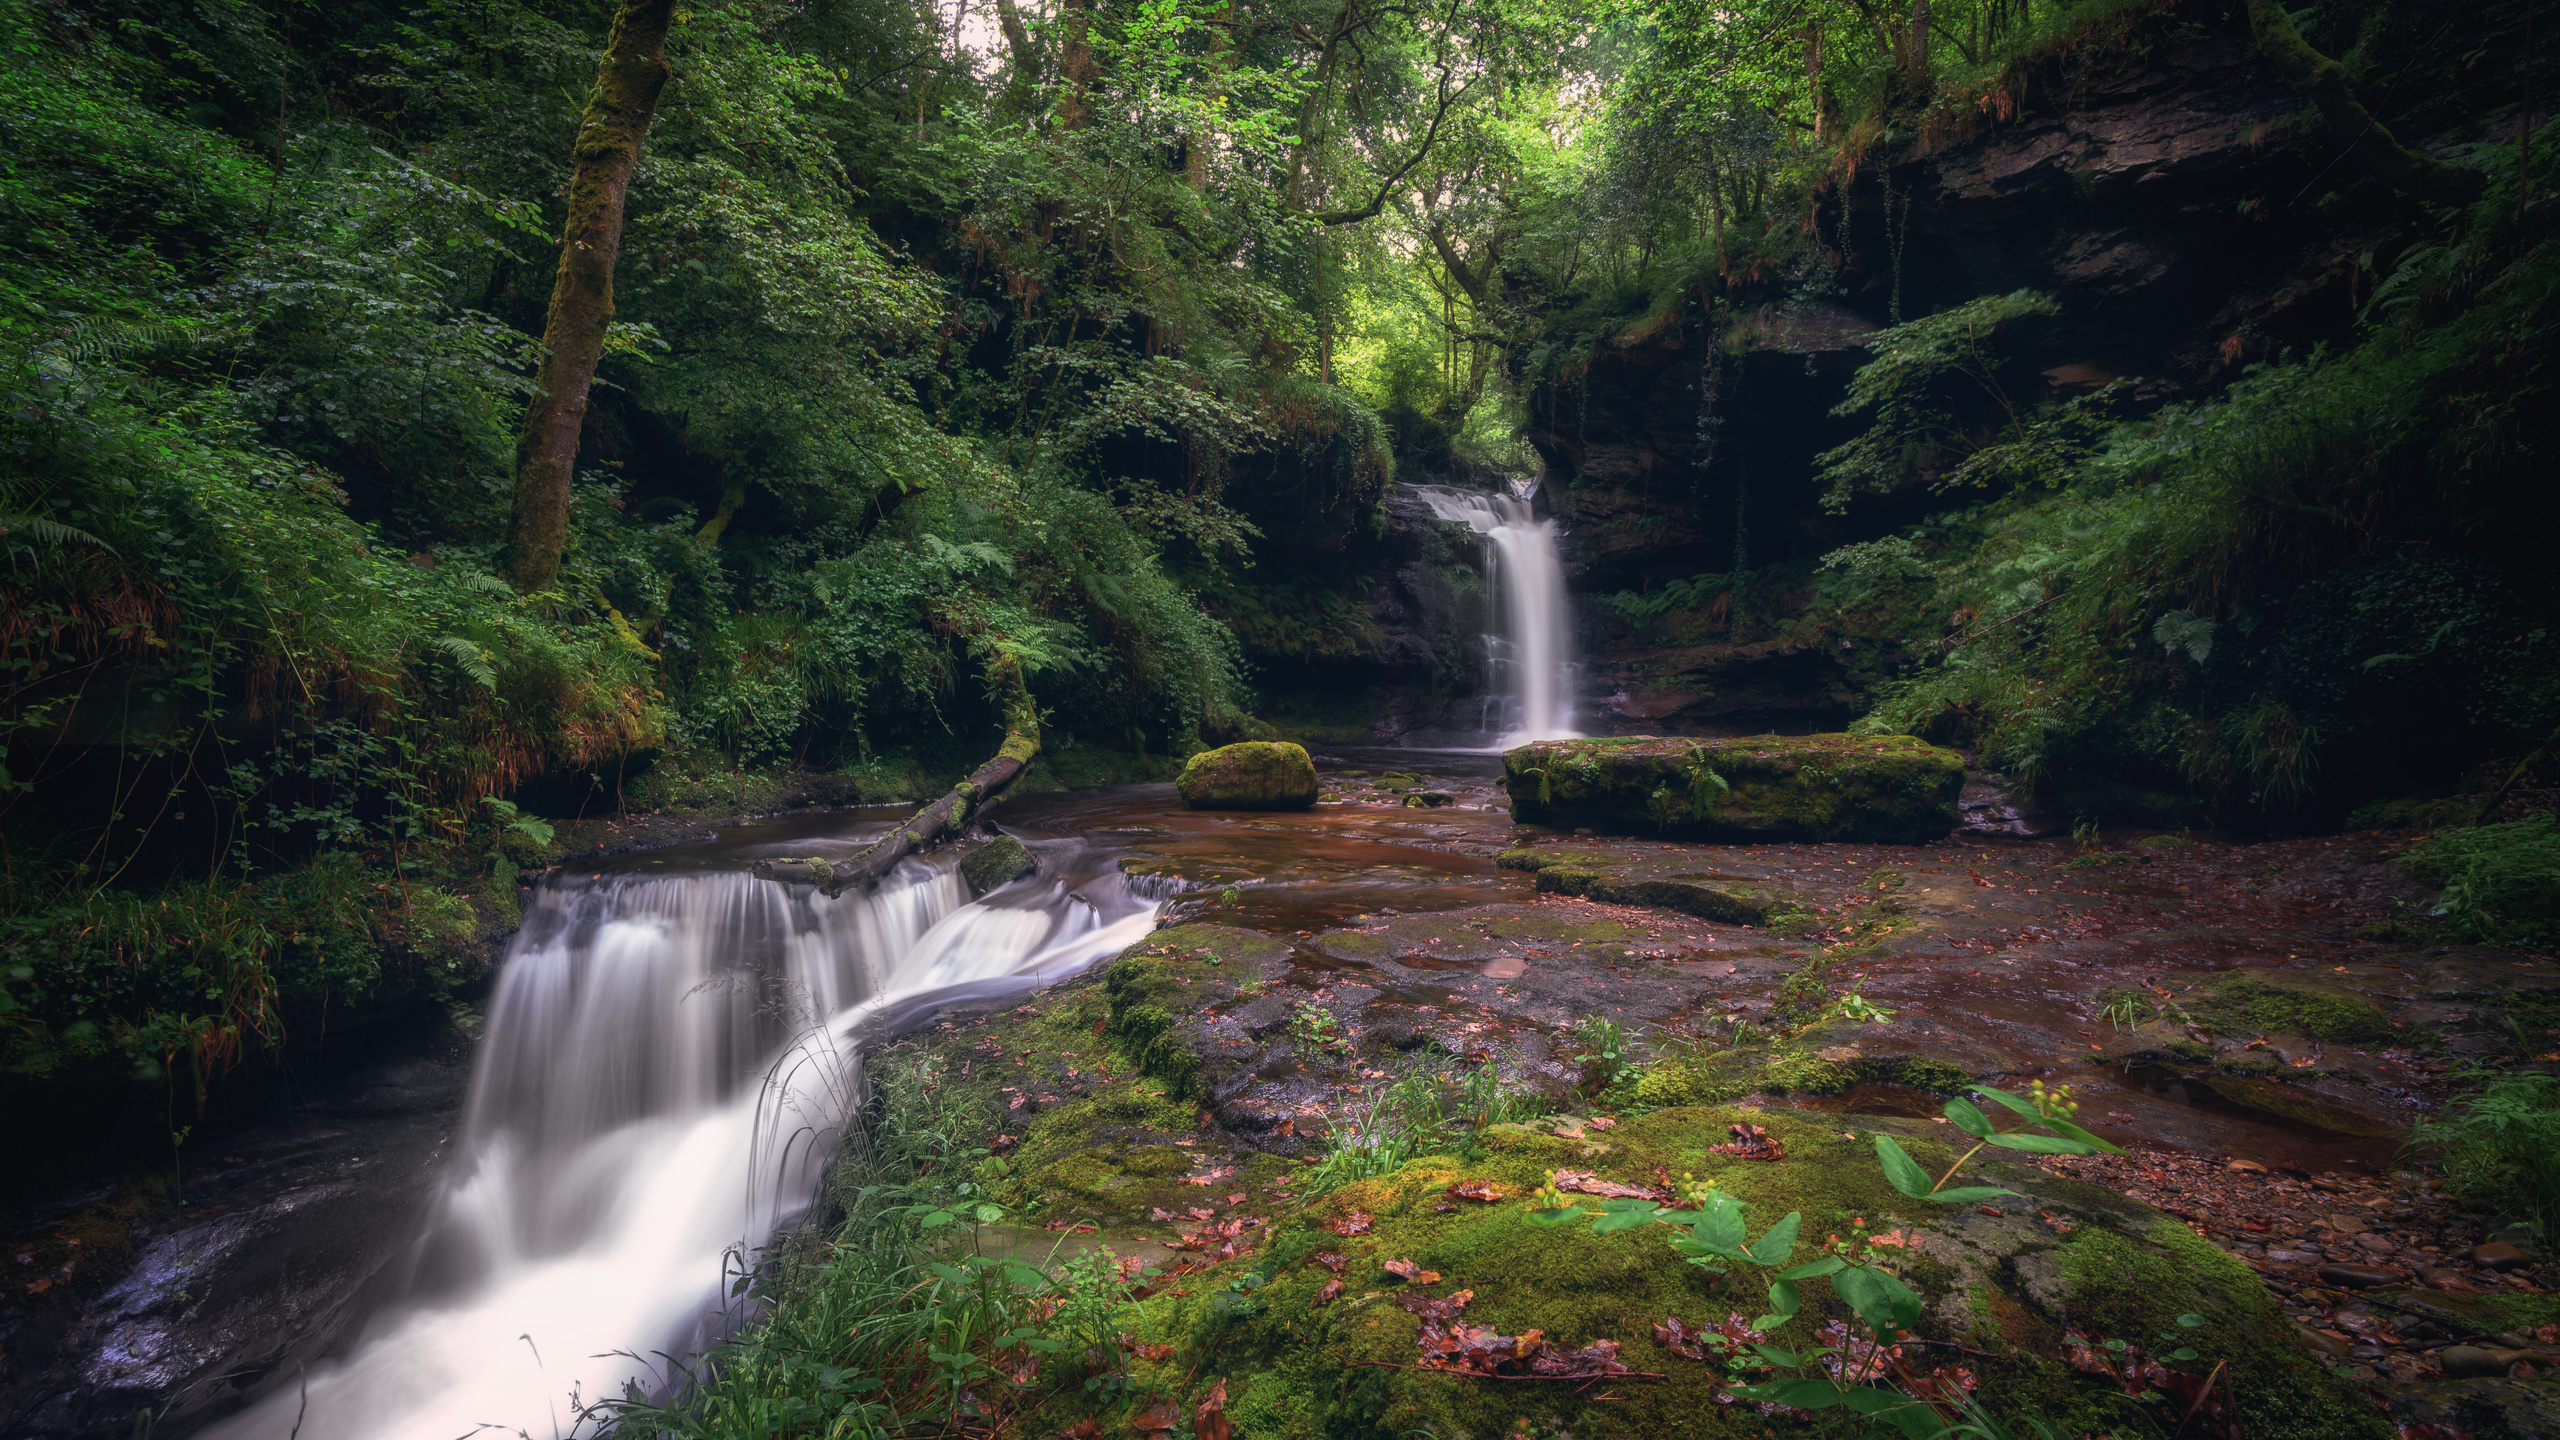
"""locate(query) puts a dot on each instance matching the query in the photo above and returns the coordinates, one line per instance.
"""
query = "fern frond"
(51, 531)
(469, 658)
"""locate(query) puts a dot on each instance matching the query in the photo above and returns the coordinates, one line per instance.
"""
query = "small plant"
(2084, 833)
(1608, 1050)
(2042, 1109)
(1314, 1029)
(2127, 1012)
(1857, 1007)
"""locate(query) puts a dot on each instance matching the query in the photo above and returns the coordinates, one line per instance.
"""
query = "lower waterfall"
(668, 1066)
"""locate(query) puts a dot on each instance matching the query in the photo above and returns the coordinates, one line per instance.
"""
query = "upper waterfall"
(1530, 652)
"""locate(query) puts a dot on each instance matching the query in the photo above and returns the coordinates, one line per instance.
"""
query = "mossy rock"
(1162, 994)
(996, 864)
(1875, 789)
(2259, 1002)
(1256, 775)
(2008, 1287)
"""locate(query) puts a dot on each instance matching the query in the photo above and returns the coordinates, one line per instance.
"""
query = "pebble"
(2294, 1257)
(2469, 1362)
(2328, 1345)
(2359, 1277)
(2348, 1225)
(2246, 1167)
(2378, 1244)
(2498, 1255)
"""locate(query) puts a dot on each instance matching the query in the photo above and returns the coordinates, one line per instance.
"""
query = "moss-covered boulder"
(997, 863)
(1256, 775)
(1874, 789)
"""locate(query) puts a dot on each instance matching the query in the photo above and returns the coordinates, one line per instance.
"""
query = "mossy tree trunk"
(2355, 129)
(628, 82)
(968, 799)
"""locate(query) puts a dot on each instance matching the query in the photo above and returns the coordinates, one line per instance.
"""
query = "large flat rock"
(1869, 789)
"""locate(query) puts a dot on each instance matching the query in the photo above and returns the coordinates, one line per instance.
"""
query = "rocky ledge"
(1872, 789)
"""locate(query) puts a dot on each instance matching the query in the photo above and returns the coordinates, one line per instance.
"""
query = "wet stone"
(2469, 1362)
(2360, 1277)
(2498, 1255)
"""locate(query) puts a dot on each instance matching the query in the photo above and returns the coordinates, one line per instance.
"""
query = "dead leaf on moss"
(1330, 1290)
(1433, 1307)
(1484, 1190)
(1357, 1222)
(1332, 1260)
(1675, 1336)
(1157, 1419)
(1209, 1421)
(1751, 1142)
(1583, 1182)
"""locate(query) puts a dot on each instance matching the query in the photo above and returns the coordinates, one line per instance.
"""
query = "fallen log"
(958, 806)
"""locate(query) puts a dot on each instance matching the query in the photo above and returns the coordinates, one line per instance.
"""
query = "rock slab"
(1256, 775)
(996, 864)
(1871, 789)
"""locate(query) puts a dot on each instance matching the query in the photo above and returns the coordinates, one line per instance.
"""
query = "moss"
(1340, 1370)
(2256, 1003)
(1254, 775)
(1882, 789)
(1710, 897)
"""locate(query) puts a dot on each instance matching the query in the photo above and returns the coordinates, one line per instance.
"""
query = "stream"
(673, 1044)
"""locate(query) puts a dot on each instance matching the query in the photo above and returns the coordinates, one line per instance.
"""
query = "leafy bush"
(2501, 1147)
(2501, 883)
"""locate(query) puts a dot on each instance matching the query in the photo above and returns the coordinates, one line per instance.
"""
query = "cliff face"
(2166, 193)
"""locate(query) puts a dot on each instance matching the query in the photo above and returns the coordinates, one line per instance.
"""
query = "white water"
(668, 1065)
(1531, 653)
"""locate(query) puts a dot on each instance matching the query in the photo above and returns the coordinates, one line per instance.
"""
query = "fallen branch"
(965, 801)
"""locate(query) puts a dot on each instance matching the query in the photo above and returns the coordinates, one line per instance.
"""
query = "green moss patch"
(1876, 789)
(2262, 1003)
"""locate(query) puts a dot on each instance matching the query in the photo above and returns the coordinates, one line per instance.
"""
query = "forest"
(452, 448)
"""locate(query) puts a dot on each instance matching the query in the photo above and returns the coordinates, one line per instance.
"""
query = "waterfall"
(668, 1064)
(1530, 655)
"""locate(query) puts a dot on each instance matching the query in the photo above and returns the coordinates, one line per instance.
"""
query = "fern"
(469, 658)
(51, 531)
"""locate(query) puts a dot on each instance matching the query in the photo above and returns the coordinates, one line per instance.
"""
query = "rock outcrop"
(1877, 789)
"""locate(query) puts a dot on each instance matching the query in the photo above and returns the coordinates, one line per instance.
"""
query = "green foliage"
(2500, 883)
(1910, 388)
(2501, 1146)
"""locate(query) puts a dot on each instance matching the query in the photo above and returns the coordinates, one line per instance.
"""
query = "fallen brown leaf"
(1583, 1182)
(1675, 1336)
(1209, 1422)
(1355, 1223)
(1325, 1295)
(1157, 1419)
(1484, 1190)
(1332, 1260)
(1751, 1142)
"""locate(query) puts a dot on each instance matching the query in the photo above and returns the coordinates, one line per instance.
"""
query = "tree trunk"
(625, 96)
(2374, 148)
(963, 802)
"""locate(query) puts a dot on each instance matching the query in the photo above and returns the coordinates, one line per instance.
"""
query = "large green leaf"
(2040, 1144)
(2060, 1127)
(1624, 1215)
(1802, 1394)
(1885, 1303)
(1968, 1117)
(1826, 1265)
(1903, 1172)
(1719, 1224)
(1777, 1242)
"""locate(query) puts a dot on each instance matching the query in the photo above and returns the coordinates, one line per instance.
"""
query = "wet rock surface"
(286, 1224)
(1884, 788)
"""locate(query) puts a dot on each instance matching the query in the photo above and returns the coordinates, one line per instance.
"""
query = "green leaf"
(1617, 1215)
(1968, 1117)
(1967, 1194)
(1885, 1303)
(2063, 1128)
(1812, 1269)
(1549, 1219)
(2040, 1144)
(2191, 1321)
(1785, 1359)
(936, 1219)
(1719, 1224)
(1778, 1241)
(990, 1214)
(947, 1272)
(1783, 1300)
(1802, 1394)
(1903, 1172)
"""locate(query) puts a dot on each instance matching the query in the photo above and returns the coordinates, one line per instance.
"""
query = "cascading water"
(1530, 655)
(668, 1064)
